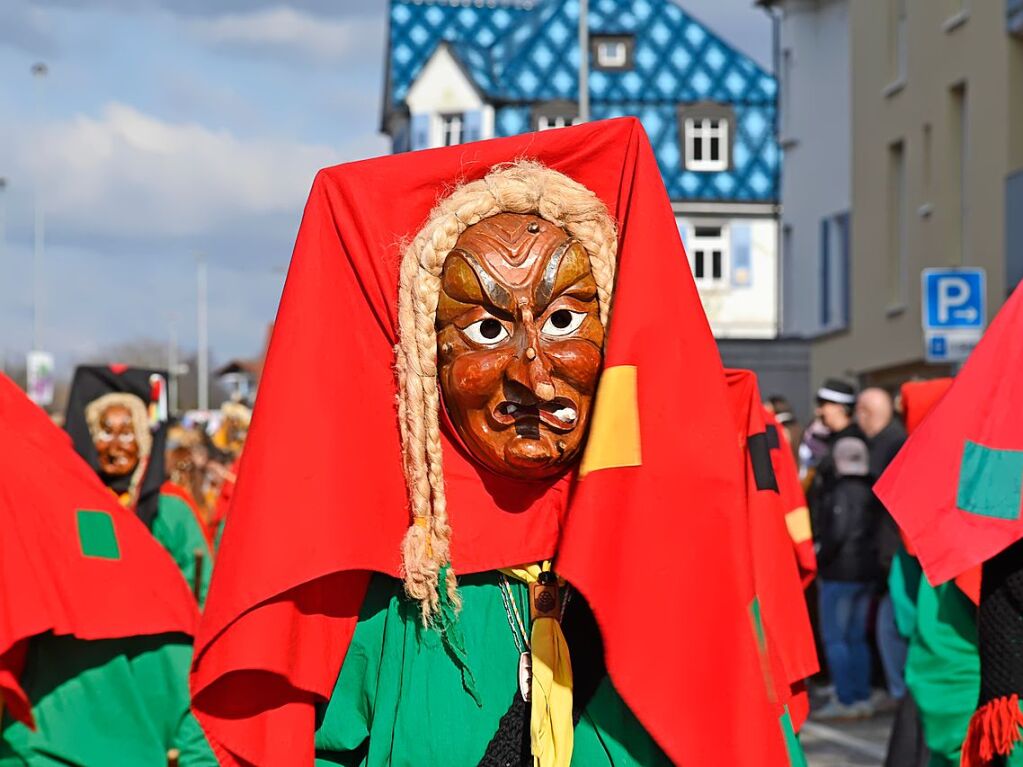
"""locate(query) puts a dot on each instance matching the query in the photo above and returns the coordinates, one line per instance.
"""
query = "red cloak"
(918, 399)
(788, 651)
(659, 550)
(72, 560)
(793, 500)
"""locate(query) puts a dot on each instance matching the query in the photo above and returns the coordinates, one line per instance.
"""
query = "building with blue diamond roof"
(464, 70)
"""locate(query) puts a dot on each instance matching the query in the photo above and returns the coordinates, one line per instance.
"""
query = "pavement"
(856, 743)
(862, 743)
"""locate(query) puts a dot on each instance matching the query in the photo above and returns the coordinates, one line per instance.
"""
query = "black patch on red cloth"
(760, 456)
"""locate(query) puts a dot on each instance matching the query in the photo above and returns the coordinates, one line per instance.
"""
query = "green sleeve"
(163, 677)
(608, 733)
(178, 531)
(943, 668)
(112, 701)
(904, 586)
(343, 726)
(219, 536)
(191, 742)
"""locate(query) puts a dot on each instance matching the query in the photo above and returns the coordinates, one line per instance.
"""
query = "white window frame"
(708, 245)
(452, 126)
(702, 130)
(612, 54)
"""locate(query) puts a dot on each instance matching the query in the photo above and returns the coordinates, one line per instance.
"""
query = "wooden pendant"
(544, 597)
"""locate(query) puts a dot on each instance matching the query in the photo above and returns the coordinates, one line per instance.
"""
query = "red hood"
(658, 549)
(954, 488)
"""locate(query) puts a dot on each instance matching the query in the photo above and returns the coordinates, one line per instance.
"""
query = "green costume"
(943, 665)
(179, 532)
(104, 702)
(401, 700)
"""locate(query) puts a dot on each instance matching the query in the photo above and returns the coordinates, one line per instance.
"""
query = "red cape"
(72, 560)
(954, 488)
(658, 550)
(918, 399)
(791, 656)
(793, 501)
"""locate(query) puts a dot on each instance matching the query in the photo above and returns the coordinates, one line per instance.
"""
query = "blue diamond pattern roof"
(520, 52)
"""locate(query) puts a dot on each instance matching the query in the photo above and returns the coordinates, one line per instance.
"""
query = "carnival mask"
(116, 445)
(519, 344)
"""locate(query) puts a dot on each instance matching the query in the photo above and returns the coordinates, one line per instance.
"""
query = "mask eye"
(486, 332)
(563, 322)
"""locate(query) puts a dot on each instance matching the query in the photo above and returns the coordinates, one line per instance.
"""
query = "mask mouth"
(559, 414)
(119, 460)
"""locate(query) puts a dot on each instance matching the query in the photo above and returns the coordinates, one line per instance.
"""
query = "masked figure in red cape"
(793, 499)
(230, 440)
(955, 490)
(184, 473)
(940, 626)
(96, 624)
(511, 529)
(117, 420)
(788, 654)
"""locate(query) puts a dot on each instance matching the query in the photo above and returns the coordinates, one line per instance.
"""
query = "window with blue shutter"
(420, 131)
(742, 257)
(825, 272)
(472, 130)
(834, 272)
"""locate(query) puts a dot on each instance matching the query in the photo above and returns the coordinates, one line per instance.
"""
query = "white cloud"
(128, 174)
(292, 31)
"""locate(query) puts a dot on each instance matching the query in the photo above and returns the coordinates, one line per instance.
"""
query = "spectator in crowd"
(813, 446)
(875, 414)
(845, 532)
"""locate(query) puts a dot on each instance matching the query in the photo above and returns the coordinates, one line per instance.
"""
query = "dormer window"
(545, 122)
(707, 137)
(612, 52)
(451, 129)
(554, 114)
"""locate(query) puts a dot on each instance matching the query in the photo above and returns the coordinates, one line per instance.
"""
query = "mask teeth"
(566, 414)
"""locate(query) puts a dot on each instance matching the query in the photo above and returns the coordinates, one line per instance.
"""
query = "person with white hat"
(845, 532)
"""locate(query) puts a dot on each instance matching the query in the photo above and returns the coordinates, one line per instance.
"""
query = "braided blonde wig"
(520, 187)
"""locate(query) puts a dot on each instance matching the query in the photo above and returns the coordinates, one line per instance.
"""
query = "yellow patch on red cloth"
(614, 439)
(798, 523)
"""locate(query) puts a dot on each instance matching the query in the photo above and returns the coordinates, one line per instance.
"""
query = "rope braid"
(520, 187)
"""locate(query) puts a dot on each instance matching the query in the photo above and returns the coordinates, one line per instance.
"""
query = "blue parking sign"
(954, 299)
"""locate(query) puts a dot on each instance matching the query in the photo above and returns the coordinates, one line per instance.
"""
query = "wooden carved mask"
(520, 344)
(117, 448)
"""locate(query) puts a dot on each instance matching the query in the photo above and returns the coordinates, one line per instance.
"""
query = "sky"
(165, 129)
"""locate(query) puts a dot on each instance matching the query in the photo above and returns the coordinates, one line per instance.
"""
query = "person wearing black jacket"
(875, 415)
(845, 534)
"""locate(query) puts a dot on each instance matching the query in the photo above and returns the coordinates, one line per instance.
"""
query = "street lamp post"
(39, 72)
(584, 62)
(202, 324)
(172, 367)
(3, 249)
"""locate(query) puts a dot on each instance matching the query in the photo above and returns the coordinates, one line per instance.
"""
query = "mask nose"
(530, 367)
